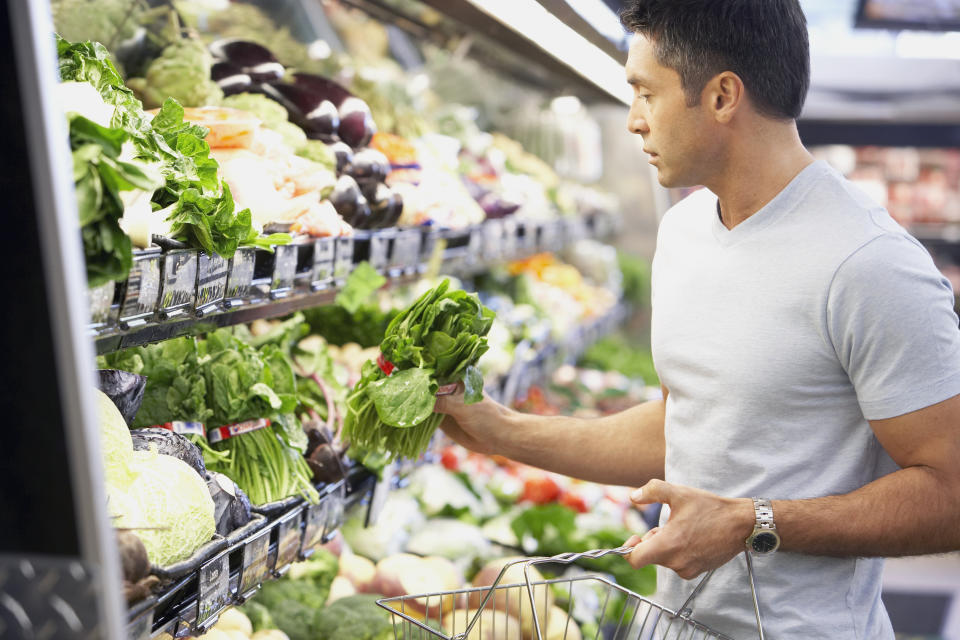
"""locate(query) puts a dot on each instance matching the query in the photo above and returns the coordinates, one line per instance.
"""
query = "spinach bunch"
(436, 341)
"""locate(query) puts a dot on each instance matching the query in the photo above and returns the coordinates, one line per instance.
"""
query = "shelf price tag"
(314, 523)
(212, 272)
(324, 252)
(179, 285)
(343, 260)
(142, 290)
(288, 540)
(240, 280)
(379, 250)
(255, 567)
(509, 242)
(214, 589)
(406, 250)
(284, 270)
(475, 245)
(492, 239)
(335, 507)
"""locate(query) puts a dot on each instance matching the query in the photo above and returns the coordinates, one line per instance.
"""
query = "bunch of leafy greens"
(356, 316)
(245, 383)
(554, 527)
(436, 341)
(175, 390)
(99, 177)
(224, 380)
(192, 198)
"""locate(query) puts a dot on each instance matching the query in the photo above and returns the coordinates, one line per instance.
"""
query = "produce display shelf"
(942, 232)
(194, 602)
(182, 291)
(534, 363)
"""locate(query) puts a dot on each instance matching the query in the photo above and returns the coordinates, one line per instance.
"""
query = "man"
(807, 346)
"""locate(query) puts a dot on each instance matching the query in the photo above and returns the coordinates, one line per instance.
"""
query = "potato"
(405, 574)
(492, 625)
(557, 627)
(359, 571)
(340, 588)
(269, 634)
(515, 600)
(234, 620)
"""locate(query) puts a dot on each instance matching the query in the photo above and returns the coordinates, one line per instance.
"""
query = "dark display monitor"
(935, 15)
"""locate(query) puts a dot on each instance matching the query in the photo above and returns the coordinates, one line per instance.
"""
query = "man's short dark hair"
(762, 41)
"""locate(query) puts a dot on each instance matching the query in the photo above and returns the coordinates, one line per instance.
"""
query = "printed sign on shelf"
(343, 261)
(314, 523)
(241, 275)
(284, 270)
(288, 540)
(179, 285)
(324, 253)
(212, 272)
(255, 563)
(214, 589)
(142, 290)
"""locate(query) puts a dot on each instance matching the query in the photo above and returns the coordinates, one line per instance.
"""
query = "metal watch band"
(764, 512)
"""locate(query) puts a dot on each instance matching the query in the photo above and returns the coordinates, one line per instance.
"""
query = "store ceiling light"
(532, 21)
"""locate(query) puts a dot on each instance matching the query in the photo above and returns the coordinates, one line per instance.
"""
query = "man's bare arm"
(626, 448)
(912, 511)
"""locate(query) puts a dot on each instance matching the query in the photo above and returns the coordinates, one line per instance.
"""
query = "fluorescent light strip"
(531, 20)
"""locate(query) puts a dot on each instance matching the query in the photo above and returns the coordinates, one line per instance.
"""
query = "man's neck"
(757, 169)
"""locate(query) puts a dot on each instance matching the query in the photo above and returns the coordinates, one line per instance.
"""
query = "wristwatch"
(764, 540)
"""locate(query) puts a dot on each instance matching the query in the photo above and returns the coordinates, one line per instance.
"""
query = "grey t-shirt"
(778, 340)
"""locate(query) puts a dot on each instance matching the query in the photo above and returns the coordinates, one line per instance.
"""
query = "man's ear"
(724, 95)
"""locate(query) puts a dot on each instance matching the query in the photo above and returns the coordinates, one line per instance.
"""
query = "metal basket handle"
(685, 611)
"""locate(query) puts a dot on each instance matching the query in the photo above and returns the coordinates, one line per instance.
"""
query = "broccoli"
(259, 615)
(353, 618)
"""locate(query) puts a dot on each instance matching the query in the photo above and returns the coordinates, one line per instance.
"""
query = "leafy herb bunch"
(436, 341)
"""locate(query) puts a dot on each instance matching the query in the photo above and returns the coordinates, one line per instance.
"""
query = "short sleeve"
(890, 315)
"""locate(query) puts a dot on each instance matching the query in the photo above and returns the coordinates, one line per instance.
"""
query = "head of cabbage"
(161, 498)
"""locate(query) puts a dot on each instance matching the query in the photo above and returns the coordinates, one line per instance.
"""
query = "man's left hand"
(704, 530)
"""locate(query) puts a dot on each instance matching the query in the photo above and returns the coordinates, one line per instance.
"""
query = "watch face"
(765, 542)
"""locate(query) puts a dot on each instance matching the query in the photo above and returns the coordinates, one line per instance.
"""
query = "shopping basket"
(480, 613)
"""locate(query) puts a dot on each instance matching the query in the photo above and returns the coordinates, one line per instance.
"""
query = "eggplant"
(349, 202)
(356, 122)
(314, 115)
(231, 506)
(380, 206)
(169, 443)
(242, 53)
(230, 78)
(125, 389)
(326, 88)
(324, 462)
(369, 166)
(344, 155)
(394, 210)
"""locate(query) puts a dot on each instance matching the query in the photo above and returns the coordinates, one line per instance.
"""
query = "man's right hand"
(478, 427)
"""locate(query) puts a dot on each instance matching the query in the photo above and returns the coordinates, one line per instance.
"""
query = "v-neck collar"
(782, 203)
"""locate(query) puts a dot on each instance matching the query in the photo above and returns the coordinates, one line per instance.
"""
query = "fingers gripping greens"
(437, 341)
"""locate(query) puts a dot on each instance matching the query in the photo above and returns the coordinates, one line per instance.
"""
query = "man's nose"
(636, 124)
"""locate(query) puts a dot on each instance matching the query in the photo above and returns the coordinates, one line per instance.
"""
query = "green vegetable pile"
(189, 195)
(223, 380)
(356, 316)
(295, 605)
(437, 341)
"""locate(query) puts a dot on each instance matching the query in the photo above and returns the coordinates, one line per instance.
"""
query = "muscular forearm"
(913, 511)
(625, 449)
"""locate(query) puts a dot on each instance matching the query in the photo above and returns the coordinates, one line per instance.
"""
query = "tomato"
(449, 459)
(540, 490)
(574, 501)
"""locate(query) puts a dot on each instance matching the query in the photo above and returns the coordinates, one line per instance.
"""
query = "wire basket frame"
(481, 613)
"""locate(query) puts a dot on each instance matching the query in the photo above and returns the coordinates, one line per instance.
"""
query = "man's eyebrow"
(634, 80)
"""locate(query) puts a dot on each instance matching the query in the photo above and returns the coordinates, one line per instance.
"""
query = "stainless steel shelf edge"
(62, 264)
